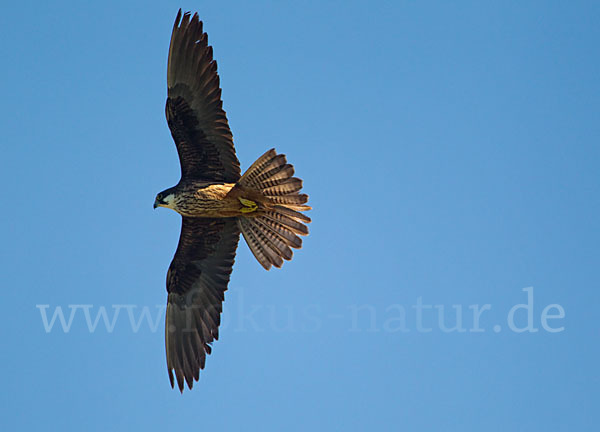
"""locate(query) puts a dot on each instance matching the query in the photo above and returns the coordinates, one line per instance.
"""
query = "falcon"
(216, 203)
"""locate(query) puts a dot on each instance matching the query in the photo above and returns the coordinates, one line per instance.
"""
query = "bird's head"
(165, 199)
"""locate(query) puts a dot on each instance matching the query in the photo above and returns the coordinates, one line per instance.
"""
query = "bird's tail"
(272, 227)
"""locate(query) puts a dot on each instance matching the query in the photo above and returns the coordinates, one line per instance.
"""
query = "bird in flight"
(216, 203)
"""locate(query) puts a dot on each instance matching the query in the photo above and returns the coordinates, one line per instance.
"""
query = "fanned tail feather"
(274, 229)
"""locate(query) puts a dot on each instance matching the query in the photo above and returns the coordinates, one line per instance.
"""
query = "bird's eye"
(159, 197)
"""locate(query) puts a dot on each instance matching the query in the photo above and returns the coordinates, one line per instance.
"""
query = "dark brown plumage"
(196, 282)
(216, 203)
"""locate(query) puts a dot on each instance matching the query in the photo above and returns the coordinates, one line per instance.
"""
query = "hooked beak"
(155, 204)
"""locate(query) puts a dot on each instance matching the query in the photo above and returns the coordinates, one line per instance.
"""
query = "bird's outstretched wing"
(194, 108)
(196, 282)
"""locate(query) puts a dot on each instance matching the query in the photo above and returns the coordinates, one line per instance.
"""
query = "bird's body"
(203, 199)
(216, 203)
(216, 200)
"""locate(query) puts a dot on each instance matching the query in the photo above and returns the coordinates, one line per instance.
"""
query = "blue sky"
(451, 155)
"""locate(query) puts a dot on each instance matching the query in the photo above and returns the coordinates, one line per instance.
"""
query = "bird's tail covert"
(273, 230)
